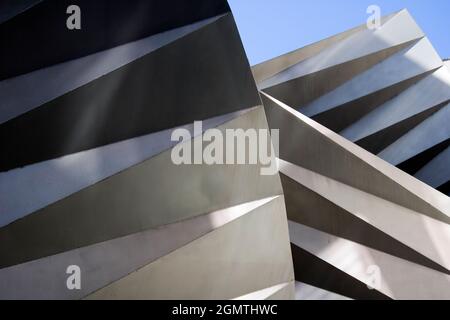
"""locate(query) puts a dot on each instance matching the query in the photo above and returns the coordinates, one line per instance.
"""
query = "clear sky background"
(270, 28)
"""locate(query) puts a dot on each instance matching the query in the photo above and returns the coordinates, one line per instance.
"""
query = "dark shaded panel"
(202, 75)
(378, 141)
(445, 188)
(301, 91)
(11, 8)
(39, 37)
(311, 209)
(314, 271)
(338, 118)
(413, 165)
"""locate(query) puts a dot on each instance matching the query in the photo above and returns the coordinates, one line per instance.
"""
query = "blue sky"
(272, 27)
